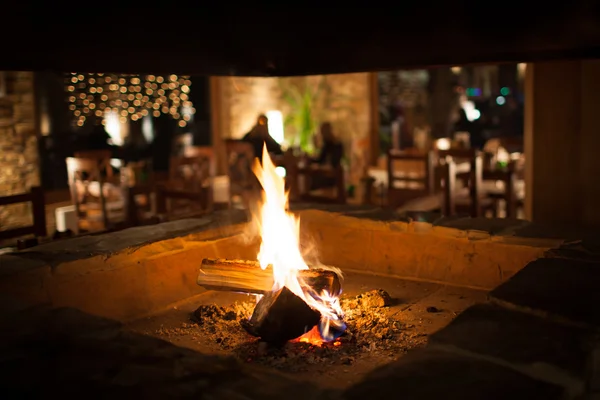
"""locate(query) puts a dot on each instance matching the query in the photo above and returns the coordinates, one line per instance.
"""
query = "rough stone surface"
(583, 239)
(346, 209)
(149, 267)
(380, 215)
(19, 165)
(518, 338)
(584, 250)
(105, 244)
(70, 354)
(432, 375)
(563, 287)
(121, 284)
(374, 299)
(493, 226)
(413, 250)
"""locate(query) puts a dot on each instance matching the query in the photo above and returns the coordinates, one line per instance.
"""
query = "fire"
(280, 248)
(314, 337)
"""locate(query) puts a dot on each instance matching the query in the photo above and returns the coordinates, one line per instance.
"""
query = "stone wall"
(151, 267)
(347, 105)
(19, 165)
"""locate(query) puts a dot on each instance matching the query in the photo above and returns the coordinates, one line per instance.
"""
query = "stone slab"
(69, 354)
(518, 338)
(379, 215)
(415, 250)
(11, 264)
(579, 250)
(558, 286)
(587, 238)
(333, 208)
(493, 226)
(60, 251)
(428, 374)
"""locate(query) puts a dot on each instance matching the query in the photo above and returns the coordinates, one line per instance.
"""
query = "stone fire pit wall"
(140, 271)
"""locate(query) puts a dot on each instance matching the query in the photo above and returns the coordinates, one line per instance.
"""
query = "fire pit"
(350, 290)
(294, 317)
(380, 329)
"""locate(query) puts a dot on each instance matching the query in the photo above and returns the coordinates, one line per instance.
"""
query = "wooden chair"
(101, 156)
(467, 199)
(95, 154)
(507, 191)
(192, 172)
(139, 187)
(299, 182)
(99, 202)
(180, 143)
(410, 176)
(243, 185)
(189, 189)
(488, 199)
(36, 197)
(201, 151)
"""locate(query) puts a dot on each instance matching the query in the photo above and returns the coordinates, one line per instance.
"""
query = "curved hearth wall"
(142, 270)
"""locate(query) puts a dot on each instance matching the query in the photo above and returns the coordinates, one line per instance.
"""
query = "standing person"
(259, 136)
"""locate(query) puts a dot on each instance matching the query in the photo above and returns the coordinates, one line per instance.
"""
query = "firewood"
(248, 277)
(281, 316)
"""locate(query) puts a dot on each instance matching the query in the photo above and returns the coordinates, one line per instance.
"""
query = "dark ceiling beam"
(261, 41)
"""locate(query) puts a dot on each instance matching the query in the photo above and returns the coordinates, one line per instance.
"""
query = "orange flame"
(314, 338)
(280, 246)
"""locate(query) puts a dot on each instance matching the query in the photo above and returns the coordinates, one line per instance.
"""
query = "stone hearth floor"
(534, 335)
(421, 307)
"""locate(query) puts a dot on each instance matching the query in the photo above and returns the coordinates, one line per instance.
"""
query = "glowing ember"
(314, 338)
(280, 248)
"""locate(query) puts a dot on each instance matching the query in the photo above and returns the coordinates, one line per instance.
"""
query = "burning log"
(281, 316)
(248, 277)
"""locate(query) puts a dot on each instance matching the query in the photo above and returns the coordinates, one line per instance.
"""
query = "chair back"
(299, 181)
(192, 172)
(240, 157)
(473, 178)
(102, 156)
(189, 191)
(85, 174)
(410, 176)
(38, 228)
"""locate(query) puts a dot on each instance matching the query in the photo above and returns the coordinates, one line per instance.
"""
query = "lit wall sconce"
(521, 68)
(280, 171)
(443, 144)
(276, 125)
(470, 110)
(113, 127)
(148, 128)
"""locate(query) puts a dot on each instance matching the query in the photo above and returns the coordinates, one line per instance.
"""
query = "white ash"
(370, 331)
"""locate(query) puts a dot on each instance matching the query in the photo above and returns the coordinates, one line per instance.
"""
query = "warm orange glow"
(280, 247)
(314, 338)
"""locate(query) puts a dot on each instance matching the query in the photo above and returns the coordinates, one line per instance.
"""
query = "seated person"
(259, 136)
(331, 149)
(330, 154)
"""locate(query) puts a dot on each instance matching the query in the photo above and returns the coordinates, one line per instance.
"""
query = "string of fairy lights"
(128, 96)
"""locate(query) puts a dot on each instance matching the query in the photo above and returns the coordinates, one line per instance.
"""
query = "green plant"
(301, 119)
(311, 103)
